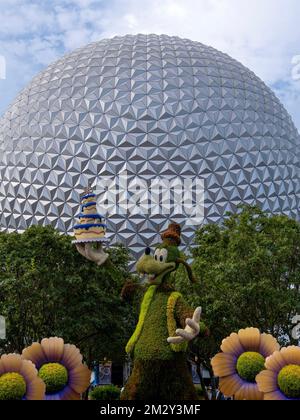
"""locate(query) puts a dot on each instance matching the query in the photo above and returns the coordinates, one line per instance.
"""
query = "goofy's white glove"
(88, 251)
(191, 330)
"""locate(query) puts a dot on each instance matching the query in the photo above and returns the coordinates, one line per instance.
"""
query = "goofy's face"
(159, 265)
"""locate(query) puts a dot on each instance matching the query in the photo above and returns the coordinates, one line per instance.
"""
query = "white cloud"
(25, 19)
(131, 21)
(262, 34)
(76, 38)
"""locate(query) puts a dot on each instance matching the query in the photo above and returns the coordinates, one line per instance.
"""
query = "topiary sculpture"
(166, 324)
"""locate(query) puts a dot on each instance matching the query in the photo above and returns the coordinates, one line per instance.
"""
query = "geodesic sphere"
(159, 108)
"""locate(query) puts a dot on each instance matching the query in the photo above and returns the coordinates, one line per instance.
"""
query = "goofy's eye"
(161, 255)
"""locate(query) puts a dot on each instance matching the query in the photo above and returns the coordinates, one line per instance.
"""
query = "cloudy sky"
(262, 34)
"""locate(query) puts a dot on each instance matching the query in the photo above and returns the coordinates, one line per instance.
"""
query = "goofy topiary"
(166, 324)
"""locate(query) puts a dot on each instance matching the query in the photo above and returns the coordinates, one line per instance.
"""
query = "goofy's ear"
(188, 269)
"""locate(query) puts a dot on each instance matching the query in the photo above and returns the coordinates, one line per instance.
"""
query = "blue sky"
(262, 34)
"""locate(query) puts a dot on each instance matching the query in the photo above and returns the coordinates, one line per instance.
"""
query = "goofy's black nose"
(147, 251)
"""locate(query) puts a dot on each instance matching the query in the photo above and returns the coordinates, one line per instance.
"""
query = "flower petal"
(223, 364)
(52, 397)
(275, 362)
(53, 348)
(229, 385)
(254, 393)
(35, 389)
(268, 344)
(71, 356)
(291, 355)
(79, 378)
(241, 393)
(35, 354)
(249, 392)
(232, 345)
(275, 396)
(68, 394)
(266, 381)
(250, 338)
(11, 363)
(28, 370)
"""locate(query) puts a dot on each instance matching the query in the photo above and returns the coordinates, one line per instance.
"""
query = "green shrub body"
(55, 377)
(289, 381)
(105, 393)
(249, 365)
(12, 386)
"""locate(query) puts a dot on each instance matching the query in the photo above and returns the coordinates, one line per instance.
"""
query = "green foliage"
(173, 253)
(55, 377)
(105, 393)
(48, 289)
(12, 386)
(200, 392)
(289, 381)
(143, 313)
(153, 338)
(172, 308)
(250, 364)
(203, 329)
(248, 273)
(160, 380)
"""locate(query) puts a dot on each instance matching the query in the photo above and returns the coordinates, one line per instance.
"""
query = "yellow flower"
(242, 358)
(19, 379)
(61, 368)
(281, 379)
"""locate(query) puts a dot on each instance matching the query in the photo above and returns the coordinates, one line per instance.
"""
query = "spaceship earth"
(154, 108)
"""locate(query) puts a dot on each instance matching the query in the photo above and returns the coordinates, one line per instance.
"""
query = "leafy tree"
(48, 289)
(248, 272)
